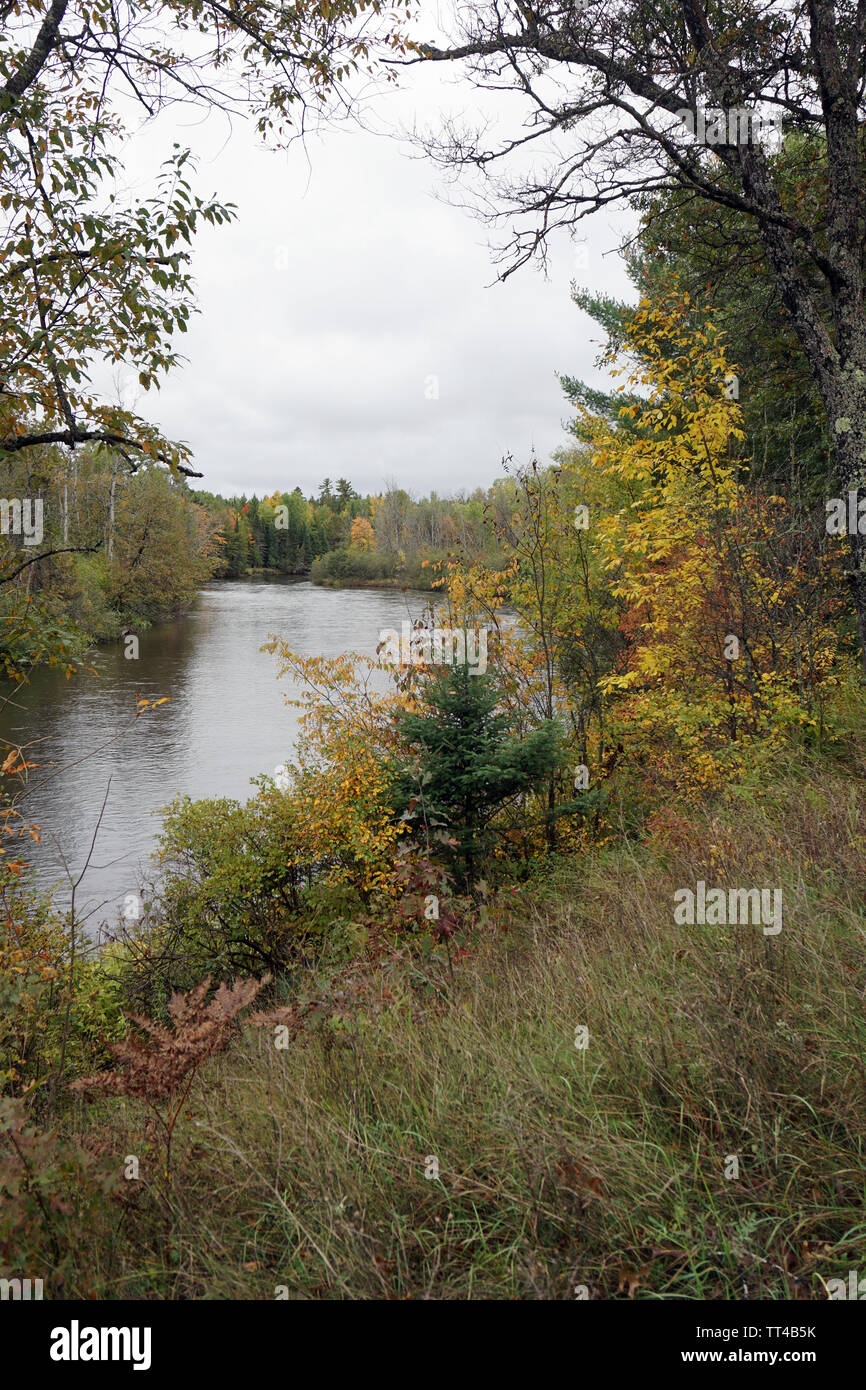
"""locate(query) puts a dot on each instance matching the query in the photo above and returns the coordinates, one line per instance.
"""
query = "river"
(226, 722)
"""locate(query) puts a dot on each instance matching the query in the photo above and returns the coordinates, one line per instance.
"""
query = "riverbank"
(599, 1104)
(400, 584)
(420, 581)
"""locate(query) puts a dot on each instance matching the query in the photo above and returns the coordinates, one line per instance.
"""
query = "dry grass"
(558, 1167)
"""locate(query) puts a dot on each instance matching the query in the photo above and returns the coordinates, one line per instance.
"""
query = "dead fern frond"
(159, 1069)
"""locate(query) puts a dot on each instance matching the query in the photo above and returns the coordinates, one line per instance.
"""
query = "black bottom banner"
(87, 1340)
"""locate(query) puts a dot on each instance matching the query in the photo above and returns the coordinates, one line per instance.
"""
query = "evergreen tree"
(470, 764)
(345, 494)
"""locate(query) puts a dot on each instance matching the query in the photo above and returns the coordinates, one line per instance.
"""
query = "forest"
(122, 551)
(536, 980)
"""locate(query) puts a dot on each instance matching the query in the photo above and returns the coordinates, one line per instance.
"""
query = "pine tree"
(470, 765)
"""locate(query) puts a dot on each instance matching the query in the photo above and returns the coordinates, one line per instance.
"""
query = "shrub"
(348, 565)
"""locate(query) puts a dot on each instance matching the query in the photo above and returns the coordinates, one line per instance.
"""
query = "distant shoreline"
(348, 583)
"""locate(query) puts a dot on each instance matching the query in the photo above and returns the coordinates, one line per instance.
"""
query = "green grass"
(558, 1167)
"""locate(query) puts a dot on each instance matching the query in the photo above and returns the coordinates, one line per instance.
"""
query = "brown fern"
(160, 1069)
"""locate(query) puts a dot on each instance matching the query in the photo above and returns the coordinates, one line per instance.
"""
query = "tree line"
(338, 537)
(122, 550)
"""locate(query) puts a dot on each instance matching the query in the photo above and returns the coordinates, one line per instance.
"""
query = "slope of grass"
(610, 1168)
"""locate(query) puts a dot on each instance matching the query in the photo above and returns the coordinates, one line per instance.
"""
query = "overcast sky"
(348, 293)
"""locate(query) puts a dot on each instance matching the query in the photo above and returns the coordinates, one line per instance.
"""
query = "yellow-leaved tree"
(362, 535)
(731, 601)
(338, 784)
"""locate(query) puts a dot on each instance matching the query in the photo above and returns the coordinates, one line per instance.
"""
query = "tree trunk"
(111, 491)
(847, 414)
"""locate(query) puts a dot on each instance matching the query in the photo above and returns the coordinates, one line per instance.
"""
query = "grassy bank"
(303, 1168)
(417, 583)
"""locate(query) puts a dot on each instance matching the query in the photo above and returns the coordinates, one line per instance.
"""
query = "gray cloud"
(344, 286)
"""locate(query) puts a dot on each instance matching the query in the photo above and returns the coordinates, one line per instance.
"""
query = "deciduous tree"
(604, 85)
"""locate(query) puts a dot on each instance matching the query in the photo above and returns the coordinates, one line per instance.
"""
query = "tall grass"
(310, 1169)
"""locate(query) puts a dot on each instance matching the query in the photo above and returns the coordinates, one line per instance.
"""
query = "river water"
(226, 722)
